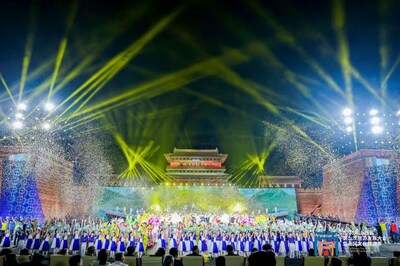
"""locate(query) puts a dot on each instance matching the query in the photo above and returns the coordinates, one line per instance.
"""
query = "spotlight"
(377, 129)
(17, 124)
(375, 120)
(46, 126)
(348, 120)
(347, 111)
(19, 115)
(349, 129)
(22, 106)
(49, 106)
(373, 112)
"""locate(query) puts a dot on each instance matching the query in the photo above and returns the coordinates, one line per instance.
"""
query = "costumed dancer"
(292, 245)
(121, 244)
(248, 244)
(45, 246)
(182, 246)
(283, 245)
(106, 243)
(299, 247)
(304, 245)
(140, 247)
(21, 240)
(6, 241)
(131, 240)
(64, 242)
(113, 246)
(36, 242)
(98, 244)
(214, 246)
(92, 238)
(74, 247)
(203, 243)
(84, 243)
(56, 244)
(274, 241)
(172, 241)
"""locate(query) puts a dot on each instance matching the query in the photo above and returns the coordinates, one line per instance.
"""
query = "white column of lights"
(20, 117)
(348, 119)
(375, 122)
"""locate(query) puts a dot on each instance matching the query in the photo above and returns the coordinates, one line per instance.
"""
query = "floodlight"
(373, 112)
(46, 126)
(347, 111)
(19, 115)
(17, 124)
(349, 129)
(348, 120)
(377, 129)
(22, 106)
(375, 120)
(49, 106)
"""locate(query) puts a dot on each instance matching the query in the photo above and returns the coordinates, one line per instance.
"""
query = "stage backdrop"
(197, 198)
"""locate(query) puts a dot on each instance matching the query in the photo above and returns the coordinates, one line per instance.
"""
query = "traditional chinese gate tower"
(197, 167)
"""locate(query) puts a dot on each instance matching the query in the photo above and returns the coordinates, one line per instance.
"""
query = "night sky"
(257, 79)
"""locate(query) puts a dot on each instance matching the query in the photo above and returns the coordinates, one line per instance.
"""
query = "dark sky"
(251, 55)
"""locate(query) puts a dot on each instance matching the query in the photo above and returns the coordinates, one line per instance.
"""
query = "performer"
(74, 247)
(305, 245)
(140, 247)
(64, 242)
(203, 242)
(6, 241)
(45, 246)
(292, 245)
(131, 240)
(36, 242)
(84, 243)
(182, 245)
(121, 244)
(56, 244)
(113, 246)
(98, 243)
(92, 239)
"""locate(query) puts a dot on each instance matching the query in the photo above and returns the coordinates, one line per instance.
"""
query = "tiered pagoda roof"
(197, 166)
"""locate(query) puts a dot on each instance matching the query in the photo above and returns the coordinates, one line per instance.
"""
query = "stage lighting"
(238, 208)
(17, 124)
(19, 115)
(349, 129)
(375, 120)
(373, 112)
(49, 106)
(348, 120)
(22, 106)
(377, 129)
(347, 112)
(46, 126)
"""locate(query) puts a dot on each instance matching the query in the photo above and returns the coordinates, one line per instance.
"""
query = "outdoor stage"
(35, 184)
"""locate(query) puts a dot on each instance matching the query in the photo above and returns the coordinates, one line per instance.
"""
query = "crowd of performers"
(210, 232)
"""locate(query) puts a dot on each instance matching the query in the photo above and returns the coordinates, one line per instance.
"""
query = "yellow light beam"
(384, 8)
(60, 56)
(343, 53)
(7, 89)
(28, 49)
(63, 46)
(170, 81)
(286, 37)
(124, 57)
